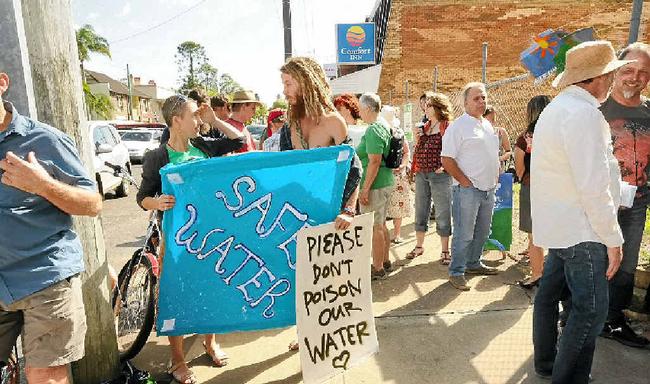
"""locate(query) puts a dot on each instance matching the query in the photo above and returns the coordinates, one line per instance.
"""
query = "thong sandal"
(185, 376)
(415, 253)
(445, 258)
(219, 358)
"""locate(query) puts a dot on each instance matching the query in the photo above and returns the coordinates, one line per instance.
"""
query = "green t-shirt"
(376, 141)
(192, 153)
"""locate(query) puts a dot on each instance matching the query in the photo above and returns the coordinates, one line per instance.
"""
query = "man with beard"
(313, 122)
(628, 115)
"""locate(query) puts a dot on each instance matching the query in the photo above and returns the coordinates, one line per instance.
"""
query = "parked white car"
(140, 141)
(109, 149)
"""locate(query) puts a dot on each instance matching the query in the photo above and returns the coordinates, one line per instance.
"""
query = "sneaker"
(459, 283)
(621, 332)
(481, 270)
(378, 274)
(388, 266)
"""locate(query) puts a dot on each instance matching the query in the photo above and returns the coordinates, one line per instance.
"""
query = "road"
(124, 225)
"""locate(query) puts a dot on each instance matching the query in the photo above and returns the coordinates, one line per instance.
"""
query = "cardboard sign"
(231, 237)
(336, 327)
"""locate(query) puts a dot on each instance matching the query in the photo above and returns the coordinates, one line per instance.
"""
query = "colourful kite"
(538, 58)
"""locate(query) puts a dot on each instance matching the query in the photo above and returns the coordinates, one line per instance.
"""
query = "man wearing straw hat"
(243, 106)
(574, 202)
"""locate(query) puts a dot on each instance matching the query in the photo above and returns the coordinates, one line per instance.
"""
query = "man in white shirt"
(470, 154)
(575, 193)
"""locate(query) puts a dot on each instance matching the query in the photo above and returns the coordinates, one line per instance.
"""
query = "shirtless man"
(314, 122)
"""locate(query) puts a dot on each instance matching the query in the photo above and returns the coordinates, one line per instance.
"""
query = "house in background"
(101, 84)
(157, 96)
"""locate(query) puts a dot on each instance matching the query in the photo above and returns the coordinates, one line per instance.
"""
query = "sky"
(243, 38)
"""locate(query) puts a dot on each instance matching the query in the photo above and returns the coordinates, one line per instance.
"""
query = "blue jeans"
(471, 210)
(621, 287)
(581, 269)
(434, 187)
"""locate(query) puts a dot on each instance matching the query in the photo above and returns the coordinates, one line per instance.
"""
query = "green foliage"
(260, 113)
(280, 103)
(190, 58)
(90, 42)
(100, 106)
(228, 85)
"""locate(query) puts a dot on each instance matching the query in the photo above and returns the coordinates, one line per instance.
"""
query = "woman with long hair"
(523, 148)
(184, 119)
(432, 183)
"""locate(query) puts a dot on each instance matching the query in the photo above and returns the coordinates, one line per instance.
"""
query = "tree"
(280, 103)
(190, 57)
(260, 113)
(88, 41)
(100, 106)
(228, 85)
(208, 78)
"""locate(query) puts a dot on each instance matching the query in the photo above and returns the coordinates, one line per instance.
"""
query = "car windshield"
(137, 136)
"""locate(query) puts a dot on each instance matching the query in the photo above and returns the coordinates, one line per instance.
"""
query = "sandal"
(445, 258)
(182, 376)
(219, 357)
(293, 346)
(523, 253)
(414, 253)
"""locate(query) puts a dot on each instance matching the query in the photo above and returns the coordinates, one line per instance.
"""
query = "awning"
(365, 80)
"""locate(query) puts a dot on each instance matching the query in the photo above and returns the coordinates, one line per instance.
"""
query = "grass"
(644, 254)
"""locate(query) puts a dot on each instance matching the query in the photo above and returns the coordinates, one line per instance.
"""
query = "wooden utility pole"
(286, 21)
(52, 49)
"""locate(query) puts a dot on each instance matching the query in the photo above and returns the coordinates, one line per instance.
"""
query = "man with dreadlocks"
(314, 122)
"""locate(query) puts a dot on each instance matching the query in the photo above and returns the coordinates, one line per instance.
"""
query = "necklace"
(303, 143)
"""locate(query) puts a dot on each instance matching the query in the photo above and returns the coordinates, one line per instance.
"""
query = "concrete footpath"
(428, 332)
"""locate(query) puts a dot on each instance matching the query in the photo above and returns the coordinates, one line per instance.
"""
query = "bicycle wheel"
(10, 371)
(134, 301)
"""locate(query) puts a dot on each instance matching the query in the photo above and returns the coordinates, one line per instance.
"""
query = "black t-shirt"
(630, 128)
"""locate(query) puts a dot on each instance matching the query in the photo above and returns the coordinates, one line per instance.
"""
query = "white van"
(109, 149)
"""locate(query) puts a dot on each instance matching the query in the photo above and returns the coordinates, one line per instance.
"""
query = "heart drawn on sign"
(341, 361)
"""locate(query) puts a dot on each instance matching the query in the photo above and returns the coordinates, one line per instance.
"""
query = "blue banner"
(230, 239)
(355, 43)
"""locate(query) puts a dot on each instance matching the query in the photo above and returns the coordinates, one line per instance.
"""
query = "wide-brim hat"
(245, 97)
(588, 60)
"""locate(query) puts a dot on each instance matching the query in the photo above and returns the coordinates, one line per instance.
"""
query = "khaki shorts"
(53, 325)
(378, 203)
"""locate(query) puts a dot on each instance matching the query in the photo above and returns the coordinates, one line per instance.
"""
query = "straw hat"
(244, 97)
(588, 60)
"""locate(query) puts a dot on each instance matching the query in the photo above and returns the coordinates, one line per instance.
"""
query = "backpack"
(395, 154)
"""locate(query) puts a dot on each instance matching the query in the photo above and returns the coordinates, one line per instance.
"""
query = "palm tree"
(90, 42)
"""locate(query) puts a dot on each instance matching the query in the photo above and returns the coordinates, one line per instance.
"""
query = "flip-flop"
(186, 377)
(219, 357)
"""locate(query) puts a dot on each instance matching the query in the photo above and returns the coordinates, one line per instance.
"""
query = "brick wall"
(423, 34)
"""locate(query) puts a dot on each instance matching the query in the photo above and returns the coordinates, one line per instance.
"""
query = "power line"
(159, 24)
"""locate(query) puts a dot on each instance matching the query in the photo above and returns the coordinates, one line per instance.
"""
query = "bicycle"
(135, 295)
(10, 370)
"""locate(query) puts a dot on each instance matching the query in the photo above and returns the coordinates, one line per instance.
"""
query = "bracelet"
(348, 211)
